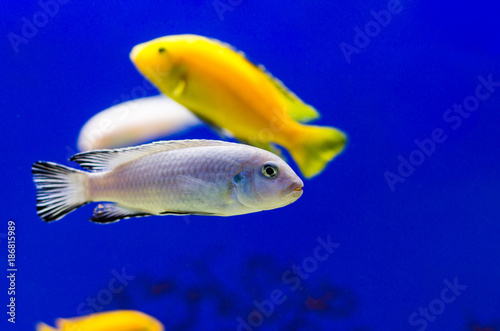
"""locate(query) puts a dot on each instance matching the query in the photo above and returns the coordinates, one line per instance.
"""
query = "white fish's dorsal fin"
(106, 159)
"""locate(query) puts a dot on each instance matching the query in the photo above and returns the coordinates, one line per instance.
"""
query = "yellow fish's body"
(222, 87)
(120, 320)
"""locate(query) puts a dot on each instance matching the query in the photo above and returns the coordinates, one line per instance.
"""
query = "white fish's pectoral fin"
(201, 193)
(111, 212)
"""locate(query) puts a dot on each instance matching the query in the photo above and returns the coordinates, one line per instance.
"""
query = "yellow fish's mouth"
(154, 61)
(134, 53)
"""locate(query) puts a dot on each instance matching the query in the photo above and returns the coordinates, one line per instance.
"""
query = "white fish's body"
(199, 177)
(134, 122)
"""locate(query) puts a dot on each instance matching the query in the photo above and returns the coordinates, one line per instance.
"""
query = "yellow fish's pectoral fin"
(174, 83)
(179, 88)
(316, 147)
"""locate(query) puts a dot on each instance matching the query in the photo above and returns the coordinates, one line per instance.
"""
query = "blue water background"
(397, 248)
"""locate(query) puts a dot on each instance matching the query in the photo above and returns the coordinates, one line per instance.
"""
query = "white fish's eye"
(270, 170)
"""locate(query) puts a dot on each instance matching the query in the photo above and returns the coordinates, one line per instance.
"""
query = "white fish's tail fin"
(60, 190)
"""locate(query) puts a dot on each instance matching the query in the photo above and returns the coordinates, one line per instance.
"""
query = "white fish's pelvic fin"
(60, 190)
(111, 212)
(106, 159)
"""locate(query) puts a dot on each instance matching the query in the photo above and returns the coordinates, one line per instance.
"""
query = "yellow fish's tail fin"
(44, 327)
(315, 147)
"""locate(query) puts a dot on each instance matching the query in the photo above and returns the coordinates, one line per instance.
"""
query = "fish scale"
(152, 182)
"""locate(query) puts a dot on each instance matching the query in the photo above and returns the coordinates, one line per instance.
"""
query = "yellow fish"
(119, 320)
(223, 88)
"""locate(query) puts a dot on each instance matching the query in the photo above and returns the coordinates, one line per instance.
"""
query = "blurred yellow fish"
(223, 88)
(119, 320)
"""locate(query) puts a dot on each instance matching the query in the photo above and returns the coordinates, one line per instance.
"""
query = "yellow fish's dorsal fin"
(106, 159)
(295, 107)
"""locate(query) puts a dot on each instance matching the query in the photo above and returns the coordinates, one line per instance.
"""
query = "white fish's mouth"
(294, 189)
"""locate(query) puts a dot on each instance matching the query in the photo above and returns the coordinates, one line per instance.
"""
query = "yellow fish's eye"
(161, 50)
(270, 170)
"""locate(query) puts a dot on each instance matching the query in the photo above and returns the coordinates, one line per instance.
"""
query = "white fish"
(134, 122)
(200, 177)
